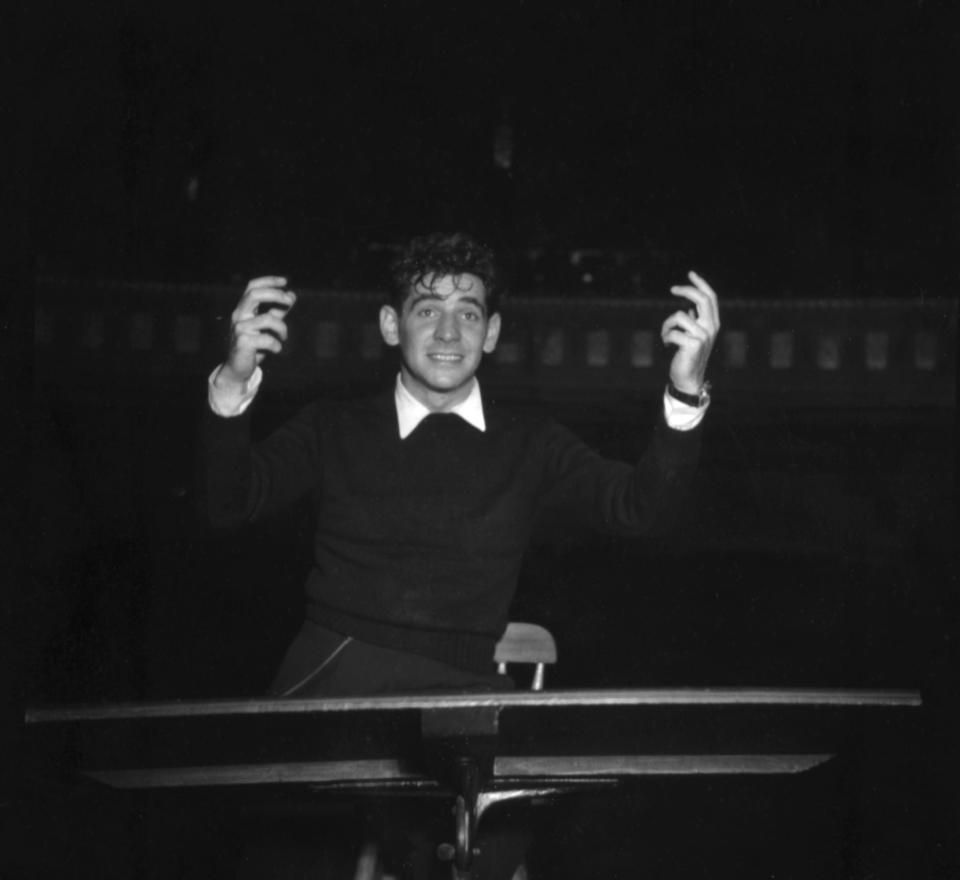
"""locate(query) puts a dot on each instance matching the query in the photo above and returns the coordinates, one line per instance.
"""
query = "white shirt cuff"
(681, 416)
(232, 403)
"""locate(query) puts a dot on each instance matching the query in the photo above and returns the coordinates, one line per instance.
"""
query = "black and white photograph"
(485, 441)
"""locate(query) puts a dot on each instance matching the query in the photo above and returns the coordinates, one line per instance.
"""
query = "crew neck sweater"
(419, 541)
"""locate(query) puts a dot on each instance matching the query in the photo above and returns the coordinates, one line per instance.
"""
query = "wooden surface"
(514, 768)
(521, 737)
(570, 698)
(525, 643)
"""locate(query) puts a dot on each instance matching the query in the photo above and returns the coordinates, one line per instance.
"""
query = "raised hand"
(257, 326)
(692, 334)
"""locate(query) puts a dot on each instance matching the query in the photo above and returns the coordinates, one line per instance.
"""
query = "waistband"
(470, 651)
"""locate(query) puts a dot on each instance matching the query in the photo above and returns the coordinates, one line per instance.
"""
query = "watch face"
(705, 394)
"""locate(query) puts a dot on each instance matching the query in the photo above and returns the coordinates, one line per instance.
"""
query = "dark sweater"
(419, 541)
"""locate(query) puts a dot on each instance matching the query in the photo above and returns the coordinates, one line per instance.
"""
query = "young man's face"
(443, 331)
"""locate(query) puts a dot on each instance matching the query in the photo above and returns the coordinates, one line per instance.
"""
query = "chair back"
(526, 643)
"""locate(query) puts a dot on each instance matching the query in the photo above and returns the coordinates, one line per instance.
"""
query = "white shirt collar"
(410, 411)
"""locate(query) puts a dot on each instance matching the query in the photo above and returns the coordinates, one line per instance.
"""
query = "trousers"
(324, 663)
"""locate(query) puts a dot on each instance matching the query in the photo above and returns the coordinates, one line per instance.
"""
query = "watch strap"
(701, 398)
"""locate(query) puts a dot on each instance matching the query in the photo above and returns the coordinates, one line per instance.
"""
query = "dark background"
(786, 151)
(800, 147)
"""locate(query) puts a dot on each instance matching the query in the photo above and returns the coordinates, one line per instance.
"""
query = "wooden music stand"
(480, 750)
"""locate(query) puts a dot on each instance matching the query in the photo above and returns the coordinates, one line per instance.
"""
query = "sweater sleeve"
(243, 482)
(616, 497)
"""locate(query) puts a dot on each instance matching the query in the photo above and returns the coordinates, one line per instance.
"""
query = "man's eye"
(471, 316)
(426, 312)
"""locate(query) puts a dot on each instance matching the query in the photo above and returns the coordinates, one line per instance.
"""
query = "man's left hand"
(693, 333)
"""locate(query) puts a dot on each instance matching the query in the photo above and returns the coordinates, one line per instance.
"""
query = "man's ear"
(389, 325)
(493, 333)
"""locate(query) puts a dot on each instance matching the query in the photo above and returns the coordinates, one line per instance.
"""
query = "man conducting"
(426, 495)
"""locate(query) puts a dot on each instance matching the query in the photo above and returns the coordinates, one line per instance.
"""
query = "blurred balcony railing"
(809, 352)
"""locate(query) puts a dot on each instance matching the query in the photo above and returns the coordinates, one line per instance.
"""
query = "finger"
(271, 283)
(701, 283)
(685, 323)
(705, 313)
(266, 281)
(274, 322)
(262, 342)
(255, 298)
(678, 338)
(275, 301)
(260, 295)
(267, 322)
(695, 295)
(274, 308)
(713, 300)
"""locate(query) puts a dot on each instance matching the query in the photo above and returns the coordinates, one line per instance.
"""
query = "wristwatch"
(701, 398)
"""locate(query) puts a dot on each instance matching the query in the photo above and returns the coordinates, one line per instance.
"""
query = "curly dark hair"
(441, 254)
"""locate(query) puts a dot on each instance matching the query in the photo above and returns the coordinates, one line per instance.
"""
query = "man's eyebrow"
(469, 300)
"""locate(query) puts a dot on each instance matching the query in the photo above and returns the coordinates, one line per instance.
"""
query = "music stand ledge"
(479, 749)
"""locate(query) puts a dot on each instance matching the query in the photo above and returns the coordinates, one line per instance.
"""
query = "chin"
(449, 378)
(448, 384)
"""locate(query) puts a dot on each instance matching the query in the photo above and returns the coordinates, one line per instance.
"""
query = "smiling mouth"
(446, 358)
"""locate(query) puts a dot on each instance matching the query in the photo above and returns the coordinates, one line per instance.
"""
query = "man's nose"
(447, 328)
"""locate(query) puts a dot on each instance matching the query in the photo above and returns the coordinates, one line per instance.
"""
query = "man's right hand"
(257, 326)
